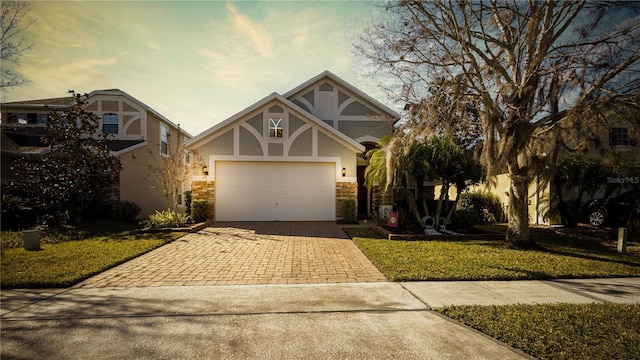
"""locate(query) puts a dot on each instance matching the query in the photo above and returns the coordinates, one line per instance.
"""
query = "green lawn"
(548, 331)
(559, 331)
(69, 257)
(557, 256)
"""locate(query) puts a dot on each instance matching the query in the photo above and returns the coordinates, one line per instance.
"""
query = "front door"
(363, 195)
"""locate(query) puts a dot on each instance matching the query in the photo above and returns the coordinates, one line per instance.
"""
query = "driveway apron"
(247, 253)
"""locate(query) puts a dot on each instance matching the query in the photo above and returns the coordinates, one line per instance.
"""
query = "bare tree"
(172, 170)
(541, 75)
(13, 21)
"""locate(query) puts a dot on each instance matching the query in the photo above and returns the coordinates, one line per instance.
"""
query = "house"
(140, 137)
(291, 157)
(617, 136)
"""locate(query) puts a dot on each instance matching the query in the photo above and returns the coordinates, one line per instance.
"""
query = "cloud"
(57, 23)
(82, 75)
(153, 46)
(251, 32)
(257, 56)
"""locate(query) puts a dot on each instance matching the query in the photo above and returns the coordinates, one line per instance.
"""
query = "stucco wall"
(358, 129)
(136, 183)
(539, 203)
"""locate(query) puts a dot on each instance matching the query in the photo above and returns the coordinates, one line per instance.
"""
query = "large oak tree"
(542, 74)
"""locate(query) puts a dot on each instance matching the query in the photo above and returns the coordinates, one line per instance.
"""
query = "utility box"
(32, 240)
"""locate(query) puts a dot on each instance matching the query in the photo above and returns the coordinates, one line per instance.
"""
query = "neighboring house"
(140, 137)
(619, 138)
(291, 157)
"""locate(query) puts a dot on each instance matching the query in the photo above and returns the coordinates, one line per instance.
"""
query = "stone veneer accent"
(205, 190)
(345, 190)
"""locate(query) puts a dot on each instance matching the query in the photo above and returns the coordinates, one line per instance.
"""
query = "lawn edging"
(190, 229)
(425, 237)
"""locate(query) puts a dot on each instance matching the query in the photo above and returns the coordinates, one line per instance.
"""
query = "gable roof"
(56, 103)
(328, 74)
(65, 102)
(118, 92)
(342, 138)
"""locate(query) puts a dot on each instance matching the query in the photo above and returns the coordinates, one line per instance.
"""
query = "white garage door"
(274, 191)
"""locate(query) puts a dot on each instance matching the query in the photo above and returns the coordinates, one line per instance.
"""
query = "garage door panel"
(271, 191)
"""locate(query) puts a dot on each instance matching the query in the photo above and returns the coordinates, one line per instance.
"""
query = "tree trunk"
(413, 206)
(453, 206)
(444, 194)
(563, 208)
(518, 236)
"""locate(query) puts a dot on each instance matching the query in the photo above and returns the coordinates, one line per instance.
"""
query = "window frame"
(164, 140)
(619, 136)
(276, 130)
(112, 117)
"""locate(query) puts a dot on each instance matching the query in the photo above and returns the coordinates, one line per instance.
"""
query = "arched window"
(110, 123)
(275, 128)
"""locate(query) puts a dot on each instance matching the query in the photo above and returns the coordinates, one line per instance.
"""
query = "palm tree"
(430, 159)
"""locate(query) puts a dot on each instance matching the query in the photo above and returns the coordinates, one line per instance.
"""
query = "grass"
(553, 331)
(557, 256)
(73, 255)
(559, 331)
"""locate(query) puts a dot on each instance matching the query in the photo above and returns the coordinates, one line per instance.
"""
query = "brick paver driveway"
(248, 253)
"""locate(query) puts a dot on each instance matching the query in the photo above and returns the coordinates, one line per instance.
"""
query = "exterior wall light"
(205, 170)
(344, 171)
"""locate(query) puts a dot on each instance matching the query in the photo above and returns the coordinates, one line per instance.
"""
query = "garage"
(275, 191)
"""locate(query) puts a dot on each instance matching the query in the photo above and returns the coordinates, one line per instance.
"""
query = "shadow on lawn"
(602, 257)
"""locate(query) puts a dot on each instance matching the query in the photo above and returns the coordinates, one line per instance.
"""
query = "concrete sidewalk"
(366, 320)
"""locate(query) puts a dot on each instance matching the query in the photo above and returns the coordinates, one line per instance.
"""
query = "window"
(181, 196)
(164, 140)
(619, 136)
(110, 123)
(24, 119)
(42, 119)
(27, 118)
(275, 128)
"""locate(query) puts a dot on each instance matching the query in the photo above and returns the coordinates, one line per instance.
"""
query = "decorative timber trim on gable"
(131, 114)
(143, 106)
(347, 101)
(249, 133)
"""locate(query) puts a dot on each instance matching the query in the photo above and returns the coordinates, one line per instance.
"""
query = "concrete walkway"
(321, 321)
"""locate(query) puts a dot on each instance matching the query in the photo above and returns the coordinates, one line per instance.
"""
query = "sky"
(195, 62)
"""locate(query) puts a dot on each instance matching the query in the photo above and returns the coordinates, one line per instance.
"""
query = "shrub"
(470, 207)
(349, 211)
(466, 218)
(127, 211)
(17, 212)
(199, 210)
(187, 202)
(167, 218)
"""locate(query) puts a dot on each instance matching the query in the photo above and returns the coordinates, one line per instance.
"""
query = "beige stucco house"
(140, 137)
(291, 157)
(618, 136)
